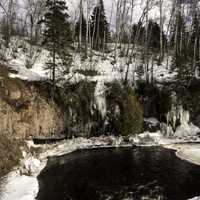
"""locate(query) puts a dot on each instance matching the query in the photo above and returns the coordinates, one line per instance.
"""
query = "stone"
(15, 95)
(25, 114)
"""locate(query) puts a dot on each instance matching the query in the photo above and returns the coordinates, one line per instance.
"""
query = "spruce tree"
(57, 37)
(138, 34)
(99, 27)
(154, 35)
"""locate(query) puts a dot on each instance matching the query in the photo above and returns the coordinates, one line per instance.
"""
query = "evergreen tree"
(57, 36)
(99, 27)
(138, 33)
(81, 26)
(154, 35)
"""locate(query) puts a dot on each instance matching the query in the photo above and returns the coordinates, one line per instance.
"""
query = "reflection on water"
(119, 174)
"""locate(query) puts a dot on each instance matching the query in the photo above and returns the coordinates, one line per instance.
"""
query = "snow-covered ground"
(26, 62)
(36, 73)
(19, 187)
(29, 63)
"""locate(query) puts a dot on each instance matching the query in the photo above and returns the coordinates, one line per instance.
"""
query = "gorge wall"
(26, 109)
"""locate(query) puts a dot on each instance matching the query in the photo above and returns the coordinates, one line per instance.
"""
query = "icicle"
(184, 117)
(177, 113)
(168, 120)
(172, 116)
(100, 99)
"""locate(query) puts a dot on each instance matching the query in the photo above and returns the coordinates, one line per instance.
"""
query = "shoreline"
(17, 180)
(189, 152)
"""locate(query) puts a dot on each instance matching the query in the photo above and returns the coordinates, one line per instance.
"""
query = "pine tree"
(99, 27)
(57, 36)
(81, 25)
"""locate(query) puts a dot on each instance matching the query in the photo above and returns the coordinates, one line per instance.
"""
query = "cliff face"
(26, 110)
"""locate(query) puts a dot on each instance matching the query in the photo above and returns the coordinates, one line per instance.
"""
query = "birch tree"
(9, 10)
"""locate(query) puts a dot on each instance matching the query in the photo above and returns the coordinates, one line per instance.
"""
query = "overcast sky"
(139, 5)
(137, 12)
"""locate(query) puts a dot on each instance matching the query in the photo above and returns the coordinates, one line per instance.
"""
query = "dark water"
(119, 174)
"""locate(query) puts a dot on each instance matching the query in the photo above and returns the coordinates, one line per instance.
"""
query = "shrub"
(131, 117)
(125, 115)
(10, 153)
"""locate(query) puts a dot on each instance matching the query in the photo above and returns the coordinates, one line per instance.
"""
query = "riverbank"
(188, 152)
(22, 183)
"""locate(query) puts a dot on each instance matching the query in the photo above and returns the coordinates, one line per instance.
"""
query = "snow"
(195, 198)
(36, 73)
(32, 165)
(100, 98)
(189, 152)
(26, 61)
(152, 121)
(24, 73)
(20, 187)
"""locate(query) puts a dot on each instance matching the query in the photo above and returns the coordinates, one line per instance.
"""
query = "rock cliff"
(26, 109)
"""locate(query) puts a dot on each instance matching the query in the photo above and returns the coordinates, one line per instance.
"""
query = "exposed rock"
(151, 124)
(156, 102)
(15, 95)
(25, 110)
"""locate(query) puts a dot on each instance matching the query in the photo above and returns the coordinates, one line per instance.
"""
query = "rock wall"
(26, 110)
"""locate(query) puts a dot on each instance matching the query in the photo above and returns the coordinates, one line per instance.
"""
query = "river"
(119, 174)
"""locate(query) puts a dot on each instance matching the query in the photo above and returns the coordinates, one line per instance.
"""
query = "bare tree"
(81, 22)
(35, 9)
(9, 10)
(161, 29)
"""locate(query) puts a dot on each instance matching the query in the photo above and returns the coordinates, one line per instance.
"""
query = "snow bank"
(20, 187)
(187, 151)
